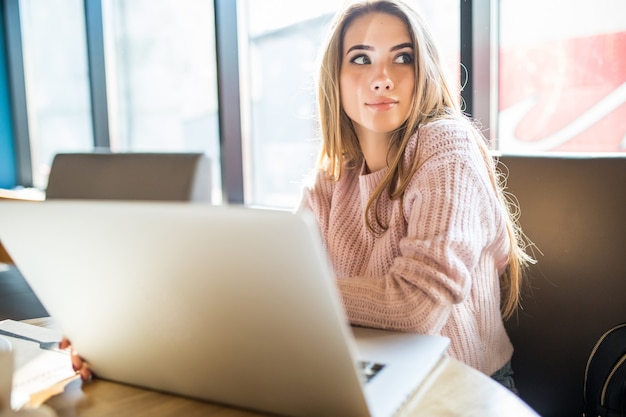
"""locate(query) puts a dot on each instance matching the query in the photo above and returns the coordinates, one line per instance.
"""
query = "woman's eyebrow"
(371, 48)
(402, 46)
(360, 48)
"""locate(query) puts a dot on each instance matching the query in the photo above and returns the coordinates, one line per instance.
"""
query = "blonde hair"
(434, 99)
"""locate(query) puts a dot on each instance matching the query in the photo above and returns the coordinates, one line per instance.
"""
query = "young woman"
(406, 194)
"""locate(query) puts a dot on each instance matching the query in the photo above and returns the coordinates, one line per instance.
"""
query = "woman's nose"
(382, 82)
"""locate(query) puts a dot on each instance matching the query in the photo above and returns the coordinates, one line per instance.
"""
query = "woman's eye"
(404, 59)
(360, 60)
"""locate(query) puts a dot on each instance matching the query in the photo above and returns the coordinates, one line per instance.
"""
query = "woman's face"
(377, 75)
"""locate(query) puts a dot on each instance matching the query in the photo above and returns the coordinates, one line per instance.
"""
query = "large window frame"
(17, 93)
(479, 78)
(479, 57)
(227, 47)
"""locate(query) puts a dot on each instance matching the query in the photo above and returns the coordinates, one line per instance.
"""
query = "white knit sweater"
(435, 270)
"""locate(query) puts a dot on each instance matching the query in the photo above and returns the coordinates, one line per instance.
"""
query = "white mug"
(6, 386)
(6, 374)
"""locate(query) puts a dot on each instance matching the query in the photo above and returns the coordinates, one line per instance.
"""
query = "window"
(561, 80)
(278, 60)
(161, 76)
(56, 78)
(562, 76)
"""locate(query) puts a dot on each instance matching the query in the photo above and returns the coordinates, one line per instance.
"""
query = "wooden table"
(453, 389)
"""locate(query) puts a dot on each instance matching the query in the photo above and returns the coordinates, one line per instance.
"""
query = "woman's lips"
(381, 105)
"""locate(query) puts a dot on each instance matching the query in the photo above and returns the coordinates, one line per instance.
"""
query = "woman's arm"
(453, 220)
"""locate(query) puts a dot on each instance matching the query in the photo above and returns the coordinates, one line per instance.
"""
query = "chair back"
(574, 210)
(130, 176)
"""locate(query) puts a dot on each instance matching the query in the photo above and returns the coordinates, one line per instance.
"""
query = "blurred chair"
(574, 210)
(130, 176)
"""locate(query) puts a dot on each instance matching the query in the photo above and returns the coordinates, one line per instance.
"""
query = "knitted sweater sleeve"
(451, 216)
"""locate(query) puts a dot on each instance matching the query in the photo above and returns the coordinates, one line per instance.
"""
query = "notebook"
(225, 304)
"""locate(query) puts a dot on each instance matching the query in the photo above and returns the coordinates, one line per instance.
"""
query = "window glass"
(57, 83)
(161, 74)
(278, 56)
(562, 76)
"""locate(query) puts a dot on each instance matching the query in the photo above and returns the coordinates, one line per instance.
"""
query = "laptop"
(225, 304)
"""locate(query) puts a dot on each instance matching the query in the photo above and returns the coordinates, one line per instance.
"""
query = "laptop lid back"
(228, 304)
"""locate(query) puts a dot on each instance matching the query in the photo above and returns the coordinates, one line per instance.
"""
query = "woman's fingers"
(78, 364)
(64, 343)
(85, 373)
(77, 361)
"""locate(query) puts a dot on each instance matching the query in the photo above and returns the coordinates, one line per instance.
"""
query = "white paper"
(35, 369)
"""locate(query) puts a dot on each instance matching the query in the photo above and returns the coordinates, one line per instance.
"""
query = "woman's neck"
(375, 148)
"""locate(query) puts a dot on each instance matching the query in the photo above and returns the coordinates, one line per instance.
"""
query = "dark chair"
(130, 176)
(574, 210)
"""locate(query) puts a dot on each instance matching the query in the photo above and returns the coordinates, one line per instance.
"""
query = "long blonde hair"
(434, 99)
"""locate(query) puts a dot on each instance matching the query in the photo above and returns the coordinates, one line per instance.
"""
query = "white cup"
(6, 386)
(6, 374)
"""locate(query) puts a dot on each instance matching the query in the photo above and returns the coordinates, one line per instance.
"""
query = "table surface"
(27, 194)
(452, 389)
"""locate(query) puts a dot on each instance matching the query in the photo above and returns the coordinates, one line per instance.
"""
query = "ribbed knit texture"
(435, 270)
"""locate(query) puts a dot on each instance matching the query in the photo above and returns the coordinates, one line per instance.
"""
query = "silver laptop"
(225, 304)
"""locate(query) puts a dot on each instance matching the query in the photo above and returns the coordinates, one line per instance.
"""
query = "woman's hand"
(79, 365)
